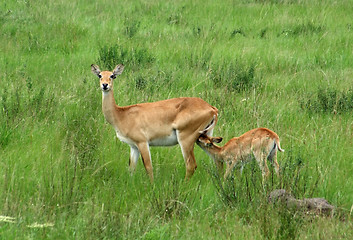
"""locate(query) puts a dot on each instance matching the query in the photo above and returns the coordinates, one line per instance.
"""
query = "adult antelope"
(163, 123)
(262, 143)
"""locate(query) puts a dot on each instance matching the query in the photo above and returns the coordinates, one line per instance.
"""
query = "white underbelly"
(124, 139)
(170, 140)
(165, 141)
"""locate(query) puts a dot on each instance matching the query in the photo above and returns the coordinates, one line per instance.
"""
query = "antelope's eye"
(112, 76)
(100, 76)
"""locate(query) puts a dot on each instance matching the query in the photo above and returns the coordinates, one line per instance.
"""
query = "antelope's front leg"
(186, 141)
(230, 164)
(134, 156)
(219, 165)
(275, 164)
(146, 158)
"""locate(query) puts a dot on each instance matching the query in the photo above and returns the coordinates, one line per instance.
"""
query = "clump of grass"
(19, 103)
(160, 232)
(237, 31)
(175, 18)
(82, 134)
(263, 33)
(246, 194)
(110, 56)
(242, 189)
(103, 223)
(140, 82)
(200, 59)
(197, 31)
(329, 101)
(290, 222)
(152, 83)
(298, 177)
(82, 138)
(5, 134)
(171, 201)
(277, 1)
(302, 29)
(233, 76)
(295, 177)
(131, 27)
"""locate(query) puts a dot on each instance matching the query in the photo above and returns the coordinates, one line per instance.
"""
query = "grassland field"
(281, 64)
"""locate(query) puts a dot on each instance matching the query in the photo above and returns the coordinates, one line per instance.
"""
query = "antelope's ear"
(95, 70)
(203, 139)
(118, 70)
(217, 139)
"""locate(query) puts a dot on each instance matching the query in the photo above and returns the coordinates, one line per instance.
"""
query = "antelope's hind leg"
(273, 158)
(187, 142)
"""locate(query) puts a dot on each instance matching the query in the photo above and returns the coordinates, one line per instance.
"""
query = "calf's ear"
(217, 139)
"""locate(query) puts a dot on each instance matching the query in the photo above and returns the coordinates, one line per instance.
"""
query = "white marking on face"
(105, 88)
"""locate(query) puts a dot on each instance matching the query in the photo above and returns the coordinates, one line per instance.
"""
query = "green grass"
(281, 64)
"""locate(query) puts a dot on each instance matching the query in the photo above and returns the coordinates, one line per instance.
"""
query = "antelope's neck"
(214, 151)
(109, 108)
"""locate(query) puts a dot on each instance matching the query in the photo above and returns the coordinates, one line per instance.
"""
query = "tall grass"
(284, 64)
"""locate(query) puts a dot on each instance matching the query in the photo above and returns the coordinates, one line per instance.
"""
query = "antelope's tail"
(278, 145)
(210, 126)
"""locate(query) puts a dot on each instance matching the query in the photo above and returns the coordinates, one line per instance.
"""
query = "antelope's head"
(106, 77)
(207, 141)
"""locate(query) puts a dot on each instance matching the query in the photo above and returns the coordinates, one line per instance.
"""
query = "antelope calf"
(163, 123)
(262, 143)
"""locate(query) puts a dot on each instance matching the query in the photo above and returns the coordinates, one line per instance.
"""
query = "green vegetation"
(281, 64)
